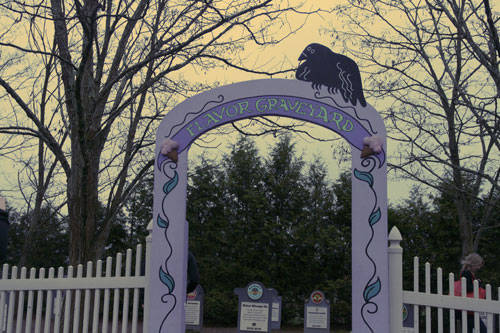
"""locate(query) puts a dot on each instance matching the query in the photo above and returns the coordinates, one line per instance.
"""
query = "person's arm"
(469, 279)
(192, 273)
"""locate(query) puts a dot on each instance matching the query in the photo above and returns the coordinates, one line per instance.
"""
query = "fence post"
(395, 280)
(149, 239)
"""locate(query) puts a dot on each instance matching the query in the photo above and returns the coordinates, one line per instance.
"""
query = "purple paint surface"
(270, 97)
(274, 105)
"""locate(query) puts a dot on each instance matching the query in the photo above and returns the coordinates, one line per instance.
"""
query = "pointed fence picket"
(43, 302)
(76, 303)
(443, 303)
(439, 307)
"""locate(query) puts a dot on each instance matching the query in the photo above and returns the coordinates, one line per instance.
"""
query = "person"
(4, 229)
(470, 265)
(193, 275)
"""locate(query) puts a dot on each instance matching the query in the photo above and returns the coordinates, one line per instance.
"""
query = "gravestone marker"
(317, 313)
(408, 318)
(276, 312)
(194, 309)
(255, 307)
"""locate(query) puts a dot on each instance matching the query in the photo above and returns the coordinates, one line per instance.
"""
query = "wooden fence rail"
(43, 301)
(436, 304)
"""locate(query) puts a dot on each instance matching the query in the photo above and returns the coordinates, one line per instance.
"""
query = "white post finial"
(395, 237)
(396, 280)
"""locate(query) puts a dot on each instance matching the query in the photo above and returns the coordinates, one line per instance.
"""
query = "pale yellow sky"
(283, 55)
(286, 54)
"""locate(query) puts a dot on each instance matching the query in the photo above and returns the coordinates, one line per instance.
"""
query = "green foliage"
(223, 305)
(339, 293)
(281, 221)
(429, 225)
(428, 234)
(277, 220)
(50, 240)
(271, 220)
(136, 214)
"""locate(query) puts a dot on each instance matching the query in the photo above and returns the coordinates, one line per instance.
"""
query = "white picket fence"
(438, 302)
(49, 303)
(56, 301)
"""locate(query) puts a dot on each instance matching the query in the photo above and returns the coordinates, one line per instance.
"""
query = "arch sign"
(335, 101)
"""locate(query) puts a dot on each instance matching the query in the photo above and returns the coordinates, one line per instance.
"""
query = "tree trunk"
(465, 227)
(82, 189)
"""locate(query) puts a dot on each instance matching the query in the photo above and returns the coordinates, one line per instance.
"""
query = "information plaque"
(255, 307)
(276, 313)
(408, 319)
(317, 313)
(194, 309)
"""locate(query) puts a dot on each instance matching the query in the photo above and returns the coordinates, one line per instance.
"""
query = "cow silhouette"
(339, 73)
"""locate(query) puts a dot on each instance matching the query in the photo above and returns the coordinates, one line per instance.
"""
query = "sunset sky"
(274, 58)
(285, 55)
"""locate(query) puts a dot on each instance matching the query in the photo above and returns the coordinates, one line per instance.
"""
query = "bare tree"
(91, 79)
(433, 65)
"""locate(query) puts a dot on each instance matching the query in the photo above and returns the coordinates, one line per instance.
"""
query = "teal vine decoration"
(364, 176)
(375, 217)
(372, 290)
(171, 184)
(163, 222)
(373, 285)
(167, 280)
